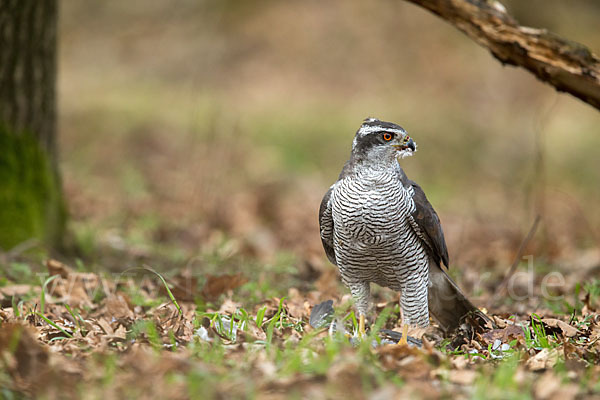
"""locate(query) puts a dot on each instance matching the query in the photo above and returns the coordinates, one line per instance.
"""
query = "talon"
(403, 341)
(361, 325)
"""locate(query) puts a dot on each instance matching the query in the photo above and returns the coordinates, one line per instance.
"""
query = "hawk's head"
(380, 141)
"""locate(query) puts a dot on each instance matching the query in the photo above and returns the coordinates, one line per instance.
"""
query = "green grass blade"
(67, 334)
(74, 316)
(15, 306)
(260, 316)
(169, 293)
(147, 268)
(43, 294)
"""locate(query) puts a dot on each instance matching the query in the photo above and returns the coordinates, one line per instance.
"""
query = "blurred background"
(190, 130)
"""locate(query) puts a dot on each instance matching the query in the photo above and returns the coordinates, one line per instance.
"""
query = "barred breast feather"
(377, 226)
(374, 240)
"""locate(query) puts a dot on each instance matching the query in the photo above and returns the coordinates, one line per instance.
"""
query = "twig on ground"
(501, 289)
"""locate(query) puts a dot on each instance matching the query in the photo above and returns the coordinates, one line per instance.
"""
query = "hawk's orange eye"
(387, 136)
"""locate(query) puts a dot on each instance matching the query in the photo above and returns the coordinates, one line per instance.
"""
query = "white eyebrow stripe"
(366, 129)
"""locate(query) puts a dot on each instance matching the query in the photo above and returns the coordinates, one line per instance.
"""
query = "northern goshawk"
(378, 227)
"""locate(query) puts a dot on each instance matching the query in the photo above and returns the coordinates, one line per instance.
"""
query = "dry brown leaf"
(254, 331)
(567, 330)
(7, 292)
(566, 392)
(78, 298)
(217, 285)
(105, 325)
(76, 289)
(459, 362)
(117, 307)
(25, 358)
(505, 335)
(265, 366)
(184, 330)
(57, 268)
(546, 386)
(296, 304)
(229, 307)
(462, 377)
(545, 359)
(407, 360)
(121, 332)
(184, 287)
(500, 322)
(6, 314)
(347, 373)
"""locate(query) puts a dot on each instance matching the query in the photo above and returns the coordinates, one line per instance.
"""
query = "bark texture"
(31, 204)
(28, 69)
(566, 65)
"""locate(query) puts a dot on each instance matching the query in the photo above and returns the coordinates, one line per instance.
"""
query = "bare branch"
(566, 65)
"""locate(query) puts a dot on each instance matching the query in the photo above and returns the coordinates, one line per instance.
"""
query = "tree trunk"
(30, 192)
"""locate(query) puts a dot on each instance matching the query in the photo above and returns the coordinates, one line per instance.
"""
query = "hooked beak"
(408, 145)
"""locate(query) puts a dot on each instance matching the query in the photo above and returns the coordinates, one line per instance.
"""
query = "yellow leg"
(361, 325)
(403, 341)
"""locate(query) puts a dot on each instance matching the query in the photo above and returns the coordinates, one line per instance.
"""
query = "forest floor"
(196, 142)
(67, 332)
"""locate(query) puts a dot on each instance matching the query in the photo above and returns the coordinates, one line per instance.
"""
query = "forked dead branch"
(568, 66)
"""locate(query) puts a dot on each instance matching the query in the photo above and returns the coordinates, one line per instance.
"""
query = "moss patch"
(31, 203)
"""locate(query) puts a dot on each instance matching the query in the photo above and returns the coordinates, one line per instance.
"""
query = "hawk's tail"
(448, 305)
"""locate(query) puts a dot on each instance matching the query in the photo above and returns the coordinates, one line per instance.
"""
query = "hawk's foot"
(403, 340)
(361, 326)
